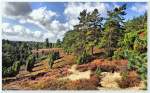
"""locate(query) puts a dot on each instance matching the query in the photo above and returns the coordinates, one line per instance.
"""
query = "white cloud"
(73, 10)
(8, 30)
(42, 15)
(115, 5)
(56, 30)
(19, 32)
(55, 26)
(37, 23)
(5, 25)
(46, 19)
(38, 34)
(139, 8)
(22, 21)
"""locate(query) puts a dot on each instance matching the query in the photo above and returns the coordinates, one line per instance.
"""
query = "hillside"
(98, 53)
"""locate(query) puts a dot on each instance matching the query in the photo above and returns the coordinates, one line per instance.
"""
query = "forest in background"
(119, 40)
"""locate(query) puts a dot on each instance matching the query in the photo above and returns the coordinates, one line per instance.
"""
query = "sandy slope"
(76, 75)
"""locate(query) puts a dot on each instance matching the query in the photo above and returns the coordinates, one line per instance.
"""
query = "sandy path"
(76, 75)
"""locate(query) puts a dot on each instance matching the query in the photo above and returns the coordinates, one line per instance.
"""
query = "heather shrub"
(129, 79)
(83, 84)
(50, 84)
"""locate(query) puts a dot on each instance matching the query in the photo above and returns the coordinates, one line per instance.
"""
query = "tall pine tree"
(114, 27)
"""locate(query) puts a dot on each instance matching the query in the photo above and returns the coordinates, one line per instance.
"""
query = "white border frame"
(99, 91)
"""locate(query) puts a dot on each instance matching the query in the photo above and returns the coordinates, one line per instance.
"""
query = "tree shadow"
(100, 55)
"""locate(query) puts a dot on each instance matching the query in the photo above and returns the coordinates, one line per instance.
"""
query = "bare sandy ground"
(76, 75)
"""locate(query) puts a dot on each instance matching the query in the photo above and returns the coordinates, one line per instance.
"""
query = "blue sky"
(39, 20)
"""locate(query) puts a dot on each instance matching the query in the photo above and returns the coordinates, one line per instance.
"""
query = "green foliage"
(52, 57)
(13, 51)
(58, 43)
(133, 46)
(135, 61)
(46, 43)
(70, 40)
(39, 59)
(85, 35)
(56, 55)
(132, 40)
(98, 71)
(113, 29)
(51, 60)
(83, 58)
(140, 44)
(121, 40)
(30, 63)
(11, 71)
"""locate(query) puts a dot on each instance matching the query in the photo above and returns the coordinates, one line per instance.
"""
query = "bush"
(50, 84)
(83, 84)
(51, 60)
(98, 71)
(11, 71)
(16, 67)
(52, 57)
(83, 58)
(30, 63)
(41, 58)
(129, 79)
(56, 55)
(136, 61)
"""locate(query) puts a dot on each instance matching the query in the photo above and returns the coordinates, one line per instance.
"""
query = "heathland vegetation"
(109, 47)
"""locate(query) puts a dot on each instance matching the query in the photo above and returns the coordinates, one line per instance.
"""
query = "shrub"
(136, 61)
(16, 67)
(98, 71)
(51, 60)
(56, 55)
(51, 84)
(83, 84)
(83, 58)
(12, 71)
(129, 79)
(83, 67)
(52, 57)
(104, 65)
(30, 63)
(41, 58)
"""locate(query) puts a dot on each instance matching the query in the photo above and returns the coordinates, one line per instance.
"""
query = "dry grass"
(65, 60)
(83, 84)
(110, 80)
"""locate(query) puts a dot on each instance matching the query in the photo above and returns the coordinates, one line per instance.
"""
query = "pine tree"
(46, 43)
(95, 28)
(114, 27)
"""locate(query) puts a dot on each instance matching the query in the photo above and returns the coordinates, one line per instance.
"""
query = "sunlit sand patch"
(76, 75)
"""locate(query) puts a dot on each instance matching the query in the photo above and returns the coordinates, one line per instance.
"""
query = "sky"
(27, 21)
